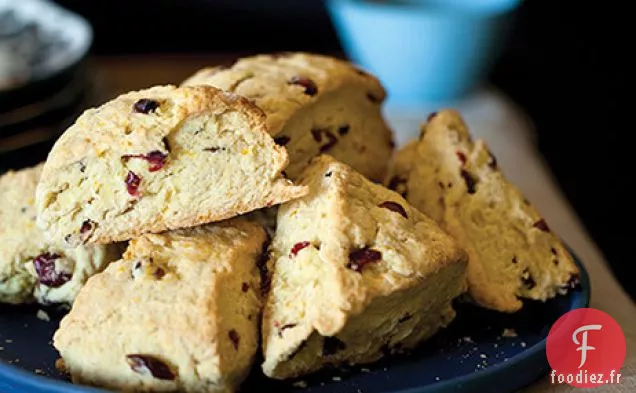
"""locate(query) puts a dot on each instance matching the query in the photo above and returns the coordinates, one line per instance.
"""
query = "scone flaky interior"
(158, 159)
(314, 104)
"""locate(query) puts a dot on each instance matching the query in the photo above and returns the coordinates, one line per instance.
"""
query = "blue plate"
(472, 355)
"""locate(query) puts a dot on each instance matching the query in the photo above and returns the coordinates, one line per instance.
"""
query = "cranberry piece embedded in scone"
(431, 116)
(155, 158)
(395, 207)
(297, 247)
(542, 225)
(145, 105)
(147, 364)
(310, 86)
(331, 141)
(234, 337)
(47, 274)
(343, 129)
(469, 180)
(316, 133)
(462, 157)
(281, 140)
(132, 183)
(87, 229)
(359, 258)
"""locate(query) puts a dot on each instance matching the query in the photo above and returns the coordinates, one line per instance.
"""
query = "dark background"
(566, 65)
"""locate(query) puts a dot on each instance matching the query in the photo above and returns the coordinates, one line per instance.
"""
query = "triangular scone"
(31, 267)
(158, 159)
(179, 312)
(314, 104)
(356, 272)
(512, 252)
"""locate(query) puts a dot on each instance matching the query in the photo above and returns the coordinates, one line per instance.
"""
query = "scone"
(512, 252)
(158, 159)
(179, 312)
(314, 104)
(32, 268)
(356, 273)
(400, 167)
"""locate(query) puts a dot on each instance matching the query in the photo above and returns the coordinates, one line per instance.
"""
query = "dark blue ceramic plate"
(472, 355)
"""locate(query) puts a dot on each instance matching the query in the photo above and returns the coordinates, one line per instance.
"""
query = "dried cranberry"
(440, 184)
(145, 105)
(155, 158)
(310, 86)
(316, 133)
(394, 207)
(297, 247)
(469, 180)
(542, 225)
(492, 163)
(431, 116)
(553, 251)
(285, 327)
(87, 229)
(405, 318)
(328, 174)
(462, 157)
(86, 226)
(146, 364)
(361, 257)
(373, 98)
(282, 140)
(245, 287)
(343, 129)
(234, 337)
(132, 183)
(45, 268)
(159, 273)
(514, 259)
(331, 345)
(527, 279)
(331, 141)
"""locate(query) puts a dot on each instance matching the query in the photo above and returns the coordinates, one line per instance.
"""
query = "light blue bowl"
(424, 51)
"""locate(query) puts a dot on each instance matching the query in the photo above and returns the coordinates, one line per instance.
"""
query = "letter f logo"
(584, 347)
